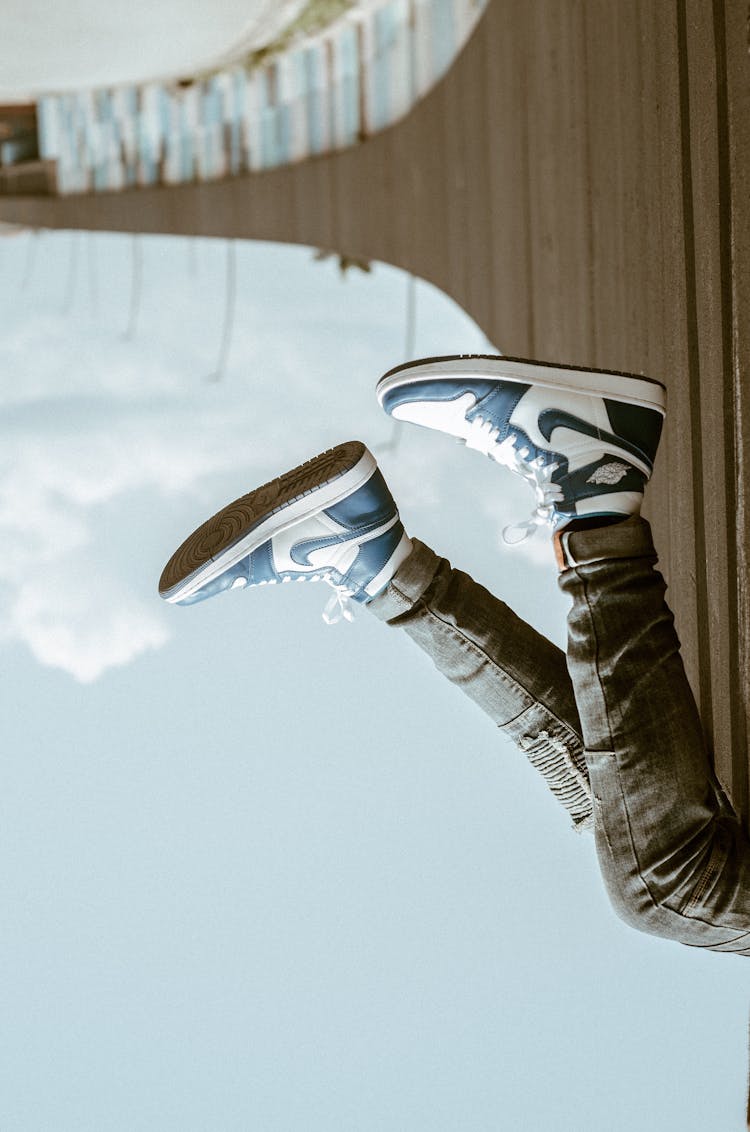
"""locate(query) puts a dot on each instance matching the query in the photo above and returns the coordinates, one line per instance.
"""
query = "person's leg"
(334, 519)
(675, 859)
(514, 674)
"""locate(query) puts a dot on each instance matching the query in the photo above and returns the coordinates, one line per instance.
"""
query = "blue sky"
(257, 872)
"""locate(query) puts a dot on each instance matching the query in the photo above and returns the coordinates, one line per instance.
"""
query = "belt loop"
(563, 553)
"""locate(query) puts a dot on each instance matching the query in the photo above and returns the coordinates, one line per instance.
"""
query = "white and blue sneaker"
(331, 519)
(584, 439)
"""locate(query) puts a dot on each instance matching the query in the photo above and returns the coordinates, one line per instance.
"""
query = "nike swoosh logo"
(551, 419)
(301, 551)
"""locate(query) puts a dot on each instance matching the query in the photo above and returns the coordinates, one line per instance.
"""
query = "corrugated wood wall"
(579, 183)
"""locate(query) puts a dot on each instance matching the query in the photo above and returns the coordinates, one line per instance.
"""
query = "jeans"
(612, 726)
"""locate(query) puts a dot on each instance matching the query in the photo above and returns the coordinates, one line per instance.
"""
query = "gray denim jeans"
(613, 727)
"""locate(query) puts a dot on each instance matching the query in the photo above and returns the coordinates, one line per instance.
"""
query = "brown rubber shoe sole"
(235, 521)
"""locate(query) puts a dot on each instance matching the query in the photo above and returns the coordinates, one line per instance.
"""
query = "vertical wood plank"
(507, 228)
(719, 635)
(733, 77)
(580, 183)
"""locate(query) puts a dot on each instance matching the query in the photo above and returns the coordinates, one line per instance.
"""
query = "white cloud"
(81, 623)
(108, 443)
(75, 466)
(66, 505)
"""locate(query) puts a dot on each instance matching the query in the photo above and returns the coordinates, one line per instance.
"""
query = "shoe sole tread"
(219, 533)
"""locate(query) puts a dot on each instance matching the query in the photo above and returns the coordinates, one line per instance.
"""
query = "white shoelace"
(538, 474)
(338, 606)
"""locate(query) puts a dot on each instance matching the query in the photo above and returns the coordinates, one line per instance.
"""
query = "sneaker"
(584, 439)
(331, 519)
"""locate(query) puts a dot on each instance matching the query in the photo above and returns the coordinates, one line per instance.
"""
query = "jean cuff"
(629, 539)
(412, 579)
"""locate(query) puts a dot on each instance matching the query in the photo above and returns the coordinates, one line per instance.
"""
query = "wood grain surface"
(580, 183)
